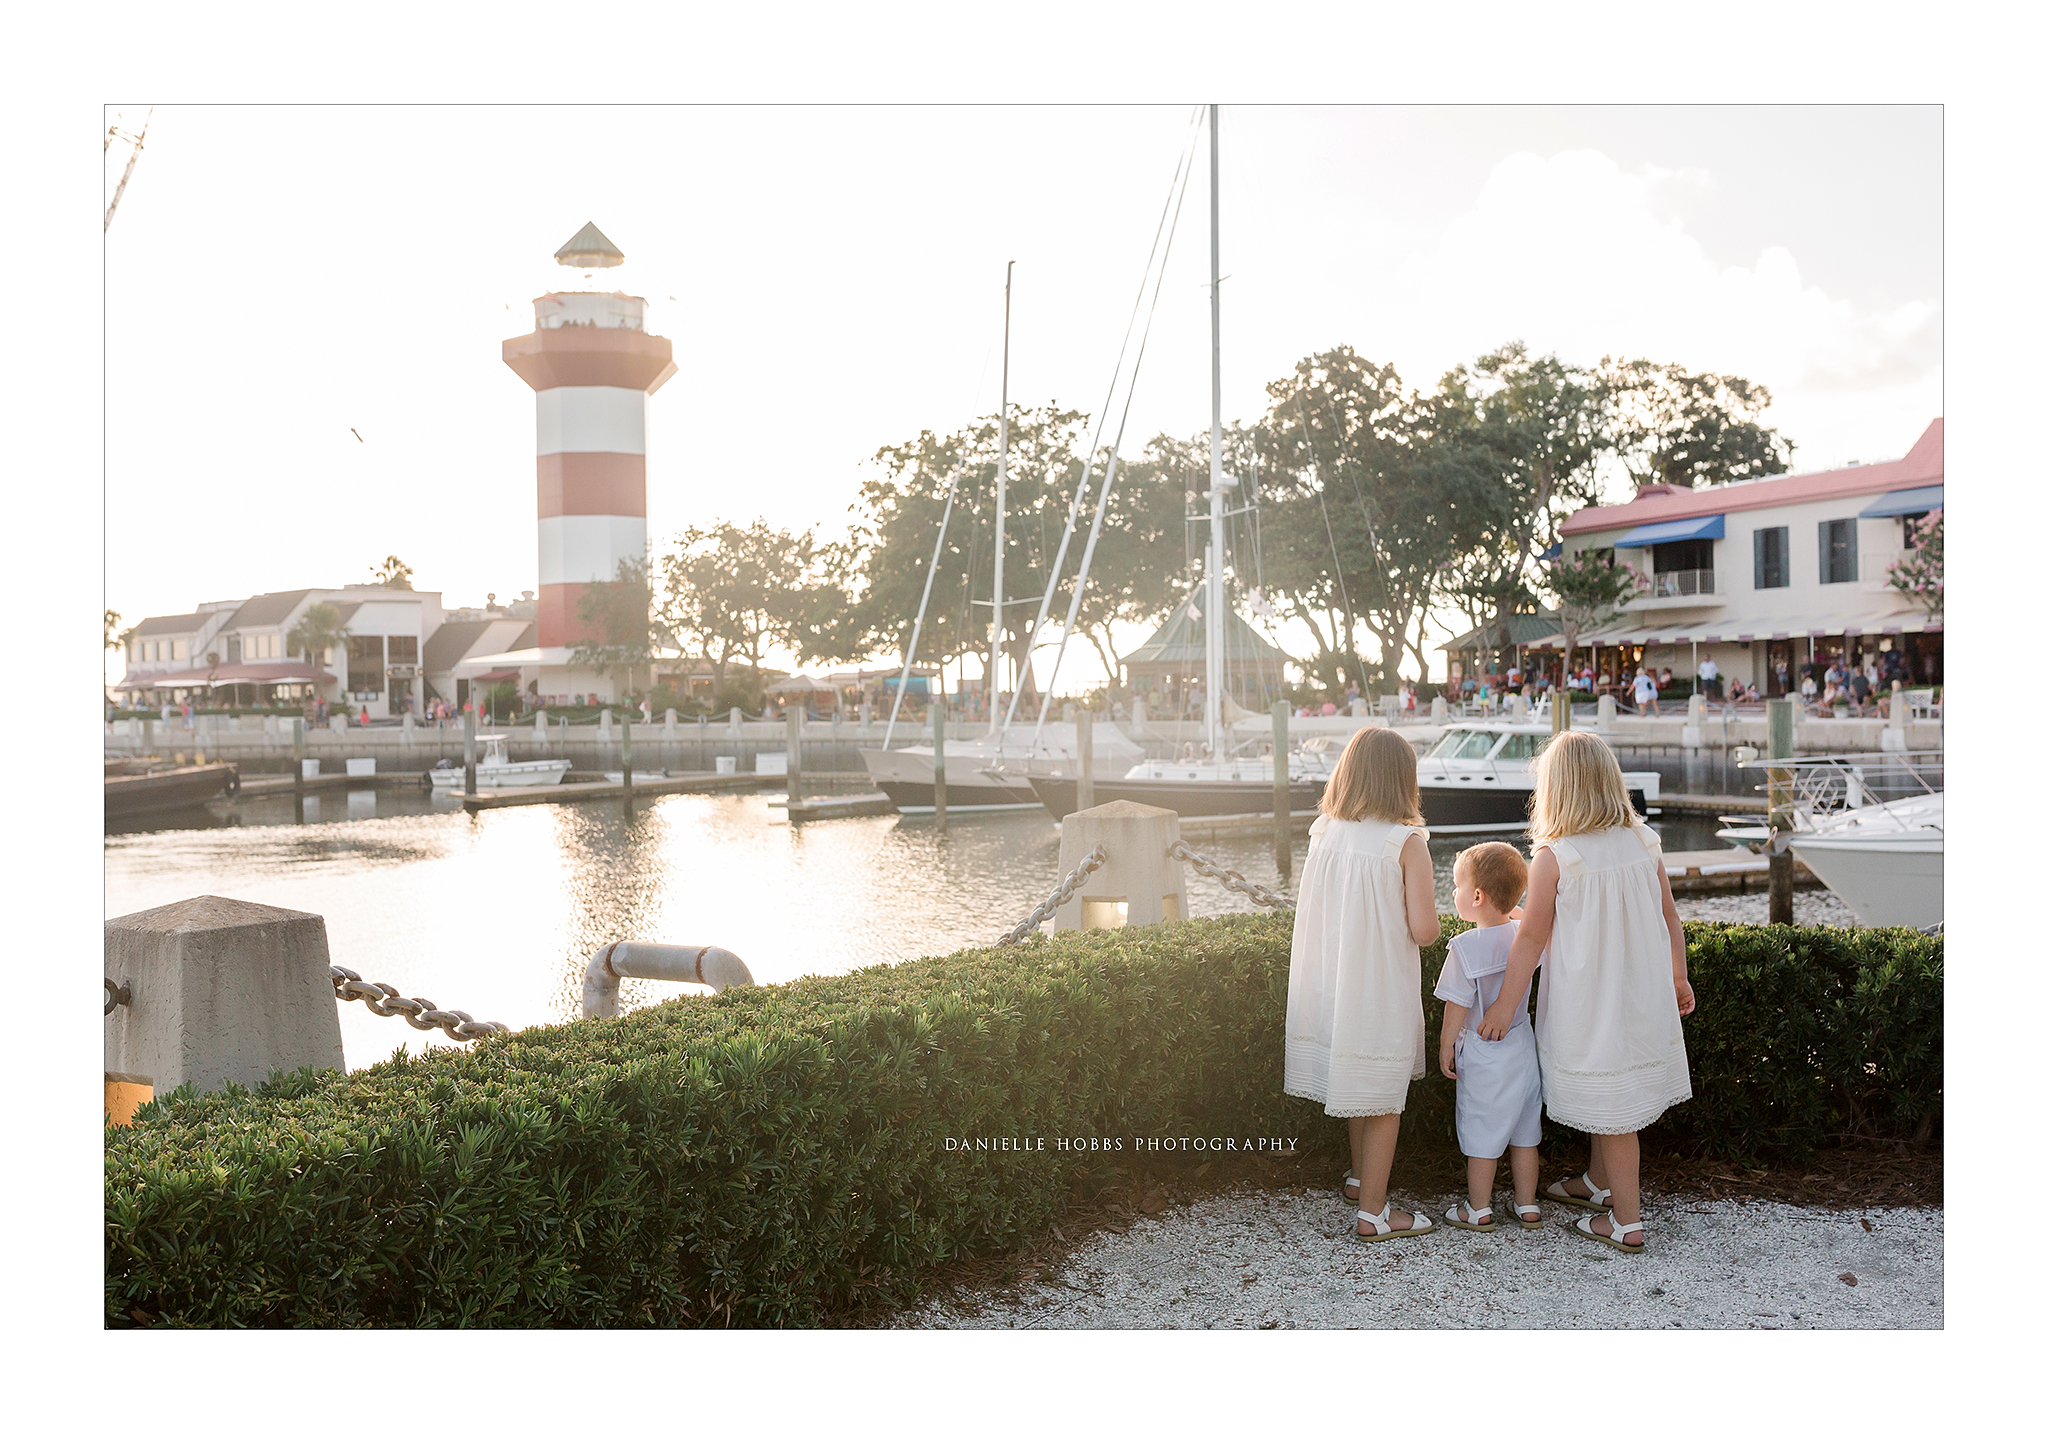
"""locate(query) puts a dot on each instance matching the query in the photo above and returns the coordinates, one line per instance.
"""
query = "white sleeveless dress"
(1354, 983)
(1607, 1025)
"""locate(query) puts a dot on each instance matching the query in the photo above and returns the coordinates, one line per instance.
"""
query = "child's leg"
(1522, 1162)
(1479, 1181)
(1373, 1138)
(1618, 1163)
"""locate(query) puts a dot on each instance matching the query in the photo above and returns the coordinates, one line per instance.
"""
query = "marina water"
(497, 913)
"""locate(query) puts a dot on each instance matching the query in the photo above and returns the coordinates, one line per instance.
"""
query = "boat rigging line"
(1167, 210)
(1176, 194)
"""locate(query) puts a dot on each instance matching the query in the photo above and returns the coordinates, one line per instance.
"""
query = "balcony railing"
(1686, 582)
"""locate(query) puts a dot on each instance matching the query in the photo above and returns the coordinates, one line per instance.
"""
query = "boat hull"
(920, 798)
(1191, 798)
(514, 774)
(1460, 808)
(167, 791)
(1886, 881)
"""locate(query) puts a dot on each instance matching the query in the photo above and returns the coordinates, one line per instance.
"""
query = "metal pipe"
(712, 966)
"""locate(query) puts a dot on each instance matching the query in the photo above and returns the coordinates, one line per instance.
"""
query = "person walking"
(1710, 678)
(1354, 1034)
(1646, 693)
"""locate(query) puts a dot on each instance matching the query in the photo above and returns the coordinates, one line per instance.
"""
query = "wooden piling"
(1779, 789)
(939, 761)
(1283, 805)
(1084, 739)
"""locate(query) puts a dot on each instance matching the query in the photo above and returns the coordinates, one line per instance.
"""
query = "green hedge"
(774, 1154)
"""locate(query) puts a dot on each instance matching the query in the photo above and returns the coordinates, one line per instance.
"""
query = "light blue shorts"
(1500, 1093)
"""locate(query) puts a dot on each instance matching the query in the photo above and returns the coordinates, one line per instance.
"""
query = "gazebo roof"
(1180, 643)
(589, 249)
(1523, 629)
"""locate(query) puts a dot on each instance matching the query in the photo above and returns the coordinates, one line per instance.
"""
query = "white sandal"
(1601, 1198)
(1422, 1226)
(1465, 1217)
(1349, 1189)
(1521, 1210)
(1584, 1225)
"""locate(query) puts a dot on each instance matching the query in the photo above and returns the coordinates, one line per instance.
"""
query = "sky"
(279, 281)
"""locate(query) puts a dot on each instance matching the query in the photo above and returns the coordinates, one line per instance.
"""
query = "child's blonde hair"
(1578, 789)
(1496, 870)
(1375, 778)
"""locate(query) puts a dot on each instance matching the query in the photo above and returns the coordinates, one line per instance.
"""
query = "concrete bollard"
(1603, 719)
(219, 991)
(1439, 710)
(337, 724)
(732, 722)
(1139, 885)
(1137, 715)
(604, 725)
(1893, 738)
(668, 725)
(1695, 717)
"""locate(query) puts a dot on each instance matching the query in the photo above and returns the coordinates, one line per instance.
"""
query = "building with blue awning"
(1769, 575)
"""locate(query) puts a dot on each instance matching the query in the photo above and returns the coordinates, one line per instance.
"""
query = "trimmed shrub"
(773, 1154)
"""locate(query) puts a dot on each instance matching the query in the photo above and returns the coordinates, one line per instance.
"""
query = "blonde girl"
(1354, 983)
(1614, 983)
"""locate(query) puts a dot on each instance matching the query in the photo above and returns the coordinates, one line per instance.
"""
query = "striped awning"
(1752, 630)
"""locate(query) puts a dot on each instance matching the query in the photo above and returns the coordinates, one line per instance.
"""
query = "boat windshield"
(1465, 744)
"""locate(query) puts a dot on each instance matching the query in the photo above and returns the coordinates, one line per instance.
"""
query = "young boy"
(1500, 1087)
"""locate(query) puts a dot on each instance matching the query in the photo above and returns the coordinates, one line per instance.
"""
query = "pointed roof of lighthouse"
(590, 250)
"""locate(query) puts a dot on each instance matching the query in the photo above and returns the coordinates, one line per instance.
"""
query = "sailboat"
(989, 773)
(1215, 783)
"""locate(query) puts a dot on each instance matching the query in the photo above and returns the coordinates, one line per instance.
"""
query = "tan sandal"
(1584, 1225)
(1465, 1217)
(1600, 1198)
(1384, 1230)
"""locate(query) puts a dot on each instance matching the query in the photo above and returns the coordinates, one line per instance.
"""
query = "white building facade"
(1767, 576)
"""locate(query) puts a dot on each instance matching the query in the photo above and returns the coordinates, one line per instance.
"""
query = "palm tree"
(318, 629)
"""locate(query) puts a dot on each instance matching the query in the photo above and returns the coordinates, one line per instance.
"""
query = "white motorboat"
(1885, 861)
(495, 768)
(1879, 851)
(1480, 776)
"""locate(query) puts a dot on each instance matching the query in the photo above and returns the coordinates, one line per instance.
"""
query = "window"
(365, 664)
(1773, 557)
(1523, 747)
(1691, 555)
(1838, 551)
(178, 649)
(404, 651)
(1910, 523)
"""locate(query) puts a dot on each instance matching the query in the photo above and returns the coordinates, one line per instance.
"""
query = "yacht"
(1885, 861)
(1869, 825)
(495, 768)
(1480, 776)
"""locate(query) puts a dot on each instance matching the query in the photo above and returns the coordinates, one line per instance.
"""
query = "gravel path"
(1284, 1260)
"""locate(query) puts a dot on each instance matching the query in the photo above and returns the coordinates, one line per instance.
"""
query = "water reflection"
(498, 912)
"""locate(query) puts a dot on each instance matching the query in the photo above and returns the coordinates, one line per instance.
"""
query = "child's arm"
(1677, 930)
(1539, 906)
(1418, 891)
(1454, 1022)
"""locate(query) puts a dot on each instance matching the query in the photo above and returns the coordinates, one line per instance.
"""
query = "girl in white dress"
(1354, 983)
(1600, 914)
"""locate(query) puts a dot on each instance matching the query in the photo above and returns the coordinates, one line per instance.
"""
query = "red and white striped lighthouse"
(591, 364)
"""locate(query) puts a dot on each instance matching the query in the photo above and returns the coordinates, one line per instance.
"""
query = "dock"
(1709, 803)
(1730, 869)
(606, 790)
(860, 804)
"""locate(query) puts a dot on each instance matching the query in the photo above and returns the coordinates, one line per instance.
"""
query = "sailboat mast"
(1212, 651)
(995, 634)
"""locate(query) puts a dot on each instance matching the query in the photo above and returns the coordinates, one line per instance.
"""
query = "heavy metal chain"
(1233, 880)
(1061, 895)
(420, 1013)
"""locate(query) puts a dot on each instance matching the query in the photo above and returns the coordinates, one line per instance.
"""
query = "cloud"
(1575, 254)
